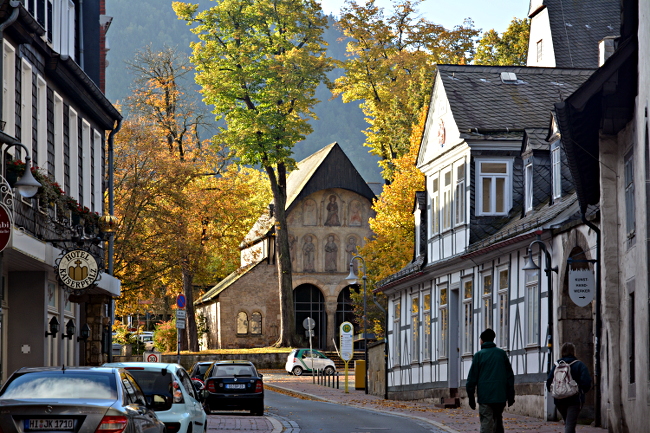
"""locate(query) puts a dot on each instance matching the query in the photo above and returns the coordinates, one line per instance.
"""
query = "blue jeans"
(491, 416)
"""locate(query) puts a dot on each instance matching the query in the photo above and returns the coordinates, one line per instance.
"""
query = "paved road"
(307, 416)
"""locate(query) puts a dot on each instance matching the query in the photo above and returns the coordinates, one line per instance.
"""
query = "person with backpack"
(492, 377)
(568, 381)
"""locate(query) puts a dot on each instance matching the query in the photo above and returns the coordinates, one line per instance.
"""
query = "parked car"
(233, 385)
(146, 338)
(185, 414)
(197, 373)
(78, 399)
(308, 360)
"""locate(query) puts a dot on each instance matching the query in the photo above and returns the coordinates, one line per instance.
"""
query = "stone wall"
(377, 369)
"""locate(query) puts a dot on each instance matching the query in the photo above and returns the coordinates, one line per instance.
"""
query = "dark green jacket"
(491, 376)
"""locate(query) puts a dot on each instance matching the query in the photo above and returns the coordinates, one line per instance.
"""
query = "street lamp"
(352, 279)
(531, 266)
(26, 186)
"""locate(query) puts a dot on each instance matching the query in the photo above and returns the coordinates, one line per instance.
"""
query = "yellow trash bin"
(360, 374)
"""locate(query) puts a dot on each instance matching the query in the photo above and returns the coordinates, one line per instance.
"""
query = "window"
(631, 351)
(630, 221)
(415, 328)
(435, 207)
(57, 17)
(59, 174)
(493, 180)
(97, 161)
(556, 170)
(256, 323)
(73, 152)
(9, 89)
(26, 104)
(528, 181)
(539, 51)
(396, 332)
(446, 201)
(41, 123)
(242, 323)
(426, 323)
(532, 302)
(487, 301)
(444, 323)
(467, 316)
(459, 196)
(504, 284)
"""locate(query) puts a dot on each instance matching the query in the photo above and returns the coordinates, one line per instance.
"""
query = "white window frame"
(426, 325)
(447, 201)
(504, 309)
(97, 178)
(459, 194)
(59, 175)
(487, 301)
(443, 320)
(9, 89)
(86, 168)
(435, 206)
(41, 121)
(532, 282)
(556, 169)
(528, 182)
(73, 136)
(26, 104)
(507, 187)
(540, 50)
(415, 327)
(468, 316)
(397, 332)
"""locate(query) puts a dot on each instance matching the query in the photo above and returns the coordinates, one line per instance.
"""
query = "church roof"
(578, 26)
(226, 282)
(327, 168)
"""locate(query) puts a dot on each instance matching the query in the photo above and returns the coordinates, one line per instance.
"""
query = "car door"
(310, 360)
(197, 414)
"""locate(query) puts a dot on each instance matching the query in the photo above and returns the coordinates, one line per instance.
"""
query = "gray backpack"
(563, 385)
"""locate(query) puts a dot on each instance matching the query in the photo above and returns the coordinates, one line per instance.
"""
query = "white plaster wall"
(540, 29)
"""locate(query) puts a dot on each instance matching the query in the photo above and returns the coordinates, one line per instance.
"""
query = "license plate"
(235, 386)
(49, 424)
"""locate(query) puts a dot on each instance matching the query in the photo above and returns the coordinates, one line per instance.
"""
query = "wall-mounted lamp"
(26, 186)
(54, 327)
(84, 333)
(70, 329)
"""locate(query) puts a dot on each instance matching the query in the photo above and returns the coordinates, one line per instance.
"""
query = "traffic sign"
(152, 357)
(309, 323)
(180, 301)
(181, 314)
(180, 323)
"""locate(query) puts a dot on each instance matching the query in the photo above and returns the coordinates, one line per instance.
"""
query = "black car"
(79, 400)
(233, 385)
(199, 369)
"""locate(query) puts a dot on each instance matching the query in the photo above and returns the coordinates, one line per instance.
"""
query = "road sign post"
(309, 325)
(346, 333)
(180, 323)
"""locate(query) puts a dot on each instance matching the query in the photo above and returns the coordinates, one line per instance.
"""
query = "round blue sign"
(180, 301)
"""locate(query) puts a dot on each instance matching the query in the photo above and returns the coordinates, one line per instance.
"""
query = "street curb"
(277, 425)
(308, 396)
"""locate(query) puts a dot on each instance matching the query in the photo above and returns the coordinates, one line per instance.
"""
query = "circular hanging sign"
(5, 227)
(78, 270)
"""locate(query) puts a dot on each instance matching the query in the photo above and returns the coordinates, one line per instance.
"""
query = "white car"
(186, 414)
(308, 360)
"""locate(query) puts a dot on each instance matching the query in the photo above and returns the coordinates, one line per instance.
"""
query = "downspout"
(111, 209)
(598, 318)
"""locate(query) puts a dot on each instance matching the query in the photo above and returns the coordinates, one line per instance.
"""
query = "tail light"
(112, 424)
(176, 392)
(211, 387)
(259, 386)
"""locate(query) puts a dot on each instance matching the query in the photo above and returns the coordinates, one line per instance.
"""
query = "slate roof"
(535, 139)
(577, 26)
(479, 100)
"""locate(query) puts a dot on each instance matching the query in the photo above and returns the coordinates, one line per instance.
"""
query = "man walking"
(492, 377)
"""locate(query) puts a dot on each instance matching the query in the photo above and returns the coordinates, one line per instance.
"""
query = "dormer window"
(57, 17)
(493, 180)
(556, 170)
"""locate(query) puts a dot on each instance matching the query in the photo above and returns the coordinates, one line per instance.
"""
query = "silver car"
(77, 399)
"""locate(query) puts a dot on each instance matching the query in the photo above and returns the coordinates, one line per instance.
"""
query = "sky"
(487, 14)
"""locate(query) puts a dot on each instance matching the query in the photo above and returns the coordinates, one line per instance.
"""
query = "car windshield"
(233, 370)
(153, 382)
(62, 385)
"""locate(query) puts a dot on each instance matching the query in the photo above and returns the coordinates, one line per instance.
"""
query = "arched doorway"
(344, 310)
(308, 301)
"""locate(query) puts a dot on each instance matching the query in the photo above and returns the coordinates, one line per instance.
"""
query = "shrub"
(164, 337)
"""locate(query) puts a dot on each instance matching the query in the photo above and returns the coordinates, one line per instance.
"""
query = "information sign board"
(346, 340)
(581, 286)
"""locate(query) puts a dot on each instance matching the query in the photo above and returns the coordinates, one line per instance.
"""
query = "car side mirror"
(159, 402)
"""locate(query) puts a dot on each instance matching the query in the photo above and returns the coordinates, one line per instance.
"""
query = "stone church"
(328, 207)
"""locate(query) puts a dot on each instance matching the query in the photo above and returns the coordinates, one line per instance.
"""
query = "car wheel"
(329, 370)
(297, 371)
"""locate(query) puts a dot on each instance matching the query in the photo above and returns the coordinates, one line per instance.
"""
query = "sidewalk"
(450, 420)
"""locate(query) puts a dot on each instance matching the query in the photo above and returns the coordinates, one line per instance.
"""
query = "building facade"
(54, 112)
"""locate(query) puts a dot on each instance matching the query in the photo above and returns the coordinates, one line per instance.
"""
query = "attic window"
(508, 77)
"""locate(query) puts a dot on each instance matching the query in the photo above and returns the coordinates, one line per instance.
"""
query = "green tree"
(259, 63)
(508, 49)
(391, 67)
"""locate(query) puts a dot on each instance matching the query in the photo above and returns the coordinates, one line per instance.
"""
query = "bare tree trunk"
(287, 335)
(191, 337)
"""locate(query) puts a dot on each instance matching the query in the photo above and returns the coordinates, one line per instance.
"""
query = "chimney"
(606, 48)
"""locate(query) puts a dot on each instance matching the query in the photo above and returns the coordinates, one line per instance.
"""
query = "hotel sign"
(581, 286)
(78, 270)
(5, 227)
